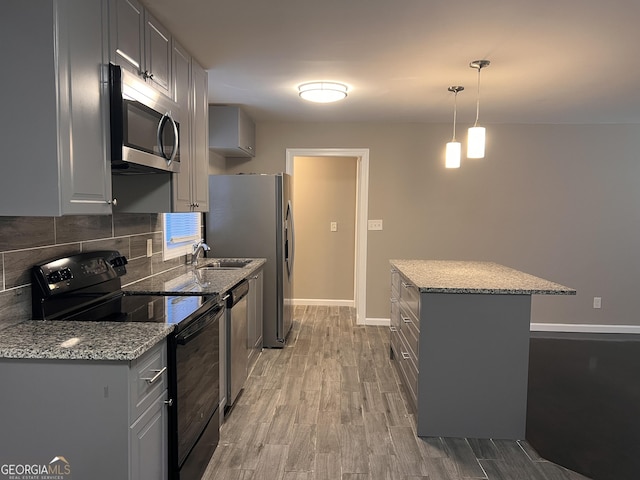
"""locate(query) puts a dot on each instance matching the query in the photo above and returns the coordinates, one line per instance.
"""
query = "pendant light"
(476, 139)
(452, 155)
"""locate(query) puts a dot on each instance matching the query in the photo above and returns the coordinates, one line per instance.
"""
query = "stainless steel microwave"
(145, 127)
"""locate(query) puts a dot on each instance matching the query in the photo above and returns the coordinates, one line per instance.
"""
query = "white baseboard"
(547, 327)
(323, 302)
(584, 328)
(377, 322)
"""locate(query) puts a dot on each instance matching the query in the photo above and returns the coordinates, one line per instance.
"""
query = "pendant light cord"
(478, 100)
(455, 110)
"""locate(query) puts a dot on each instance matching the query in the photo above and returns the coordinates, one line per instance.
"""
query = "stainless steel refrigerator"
(250, 215)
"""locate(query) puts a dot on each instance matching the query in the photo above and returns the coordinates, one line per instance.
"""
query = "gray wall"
(556, 201)
(324, 191)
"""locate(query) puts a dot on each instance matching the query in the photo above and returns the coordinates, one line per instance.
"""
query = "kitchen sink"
(226, 264)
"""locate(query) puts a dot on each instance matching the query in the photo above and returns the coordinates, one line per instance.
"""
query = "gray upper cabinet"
(140, 43)
(55, 138)
(191, 185)
(232, 132)
(127, 37)
(200, 138)
(157, 40)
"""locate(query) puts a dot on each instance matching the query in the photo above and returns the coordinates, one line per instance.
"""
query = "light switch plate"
(334, 226)
(375, 225)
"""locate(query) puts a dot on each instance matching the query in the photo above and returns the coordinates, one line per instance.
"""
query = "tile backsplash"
(25, 241)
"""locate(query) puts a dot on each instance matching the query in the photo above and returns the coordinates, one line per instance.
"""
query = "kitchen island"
(460, 342)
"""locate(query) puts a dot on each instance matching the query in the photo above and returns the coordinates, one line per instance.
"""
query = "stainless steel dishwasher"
(237, 350)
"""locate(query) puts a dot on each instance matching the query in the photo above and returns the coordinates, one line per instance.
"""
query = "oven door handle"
(189, 334)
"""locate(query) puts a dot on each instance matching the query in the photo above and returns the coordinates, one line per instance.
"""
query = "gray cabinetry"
(404, 332)
(108, 419)
(462, 359)
(191, 185)
(157, 48)
(140, 43)
(254, 317)
(56, 91)
(232, 132)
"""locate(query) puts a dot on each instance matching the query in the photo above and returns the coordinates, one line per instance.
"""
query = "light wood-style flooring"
(329, 407)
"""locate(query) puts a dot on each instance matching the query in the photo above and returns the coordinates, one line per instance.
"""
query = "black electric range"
(87, 287)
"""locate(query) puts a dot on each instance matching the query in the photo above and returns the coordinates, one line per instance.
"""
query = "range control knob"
(54, 277)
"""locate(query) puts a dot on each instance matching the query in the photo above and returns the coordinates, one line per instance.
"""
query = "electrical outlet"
(149, 247)
(597, 302)
(334, 226)
(375, 225)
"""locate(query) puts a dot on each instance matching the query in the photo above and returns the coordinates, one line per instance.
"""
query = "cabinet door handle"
(405, 355)
(156, 376)
(113, 202)
(393, 329)
(405, 319)
(169, 403)
(407, 285)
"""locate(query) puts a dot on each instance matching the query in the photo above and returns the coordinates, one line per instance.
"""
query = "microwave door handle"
(176, 137)
(161, 125)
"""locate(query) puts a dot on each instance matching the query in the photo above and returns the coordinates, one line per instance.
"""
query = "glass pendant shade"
(452, 157)
(475, 142)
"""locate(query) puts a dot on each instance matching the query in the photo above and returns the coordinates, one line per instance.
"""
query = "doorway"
(362, 191)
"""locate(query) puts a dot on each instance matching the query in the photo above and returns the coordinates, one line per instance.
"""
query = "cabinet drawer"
(410, 297)
(395, 313)
(408, 327)
(395, 283)
(408, 369)
(148, 378)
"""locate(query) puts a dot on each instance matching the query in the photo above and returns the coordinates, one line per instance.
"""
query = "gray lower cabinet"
(56, 89)
(254, 316)
(462, 359)
(107, 419)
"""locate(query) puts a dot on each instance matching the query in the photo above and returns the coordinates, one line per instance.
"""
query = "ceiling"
(552, 61)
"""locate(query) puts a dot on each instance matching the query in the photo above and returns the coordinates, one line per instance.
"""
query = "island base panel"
(473, 365)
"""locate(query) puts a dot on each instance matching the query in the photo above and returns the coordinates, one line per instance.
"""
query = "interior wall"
(556, 201)
(324, 191)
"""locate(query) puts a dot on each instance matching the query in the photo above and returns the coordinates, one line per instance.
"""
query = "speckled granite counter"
(60, 340)
(32, 339)
(444, 276)
(186, 280)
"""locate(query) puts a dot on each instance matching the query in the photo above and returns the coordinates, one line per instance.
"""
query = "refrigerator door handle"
(289, 239)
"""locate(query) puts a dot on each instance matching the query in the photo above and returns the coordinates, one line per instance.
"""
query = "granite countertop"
(187, 280)
(444, 276)
(61, 340)
(75, 340)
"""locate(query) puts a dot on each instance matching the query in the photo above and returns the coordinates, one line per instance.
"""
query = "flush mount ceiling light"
(322, 92)
(476, 139)
(452, 156)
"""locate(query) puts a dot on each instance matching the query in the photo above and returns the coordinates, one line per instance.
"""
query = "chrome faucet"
(198, 249)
